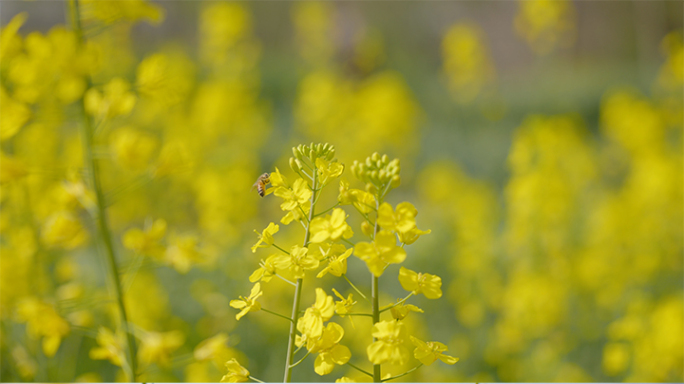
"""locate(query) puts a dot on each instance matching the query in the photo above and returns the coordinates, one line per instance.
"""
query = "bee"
(260, 184)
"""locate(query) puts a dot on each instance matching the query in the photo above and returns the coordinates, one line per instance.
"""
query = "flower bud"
(367, 229)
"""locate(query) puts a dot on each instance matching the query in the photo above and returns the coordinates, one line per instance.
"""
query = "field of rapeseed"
(441, 191)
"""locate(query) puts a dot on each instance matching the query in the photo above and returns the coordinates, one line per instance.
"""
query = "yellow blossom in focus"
(266, 237)
(147, 241)
(155, 347)
(380, 253)
(298, 261)
(248, 304)
(266, 271)
(388, 347)
(63, 230)
(311, 324)
(328, 170)
(295, 196)
(401, 220)
(330, 352)
(332, 227)
(425, 283)
(236, 372)
(428, 353)
(400, 311)
(412, 235)
(110, 347)
(343, 306)
(132, 149)
(337, 262)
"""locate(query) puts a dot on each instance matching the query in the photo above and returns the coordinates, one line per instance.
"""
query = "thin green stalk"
(284, 251)
(397, 303)
(403, 374)
(353, 286)
(300, 360)
(255, 379)
(298, 293)
(276, 314)
(93, 171)
(359, 369)
(377, 377)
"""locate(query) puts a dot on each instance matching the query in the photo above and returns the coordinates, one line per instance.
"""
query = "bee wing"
(254, 186)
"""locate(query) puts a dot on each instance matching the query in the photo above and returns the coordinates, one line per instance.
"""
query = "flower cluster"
(328, 243)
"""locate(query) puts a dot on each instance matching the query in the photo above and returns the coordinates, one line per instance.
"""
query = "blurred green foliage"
(544, 153)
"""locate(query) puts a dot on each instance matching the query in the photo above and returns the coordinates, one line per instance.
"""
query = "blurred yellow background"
(541, 142)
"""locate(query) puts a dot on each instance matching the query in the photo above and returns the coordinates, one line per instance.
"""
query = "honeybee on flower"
(260, 184)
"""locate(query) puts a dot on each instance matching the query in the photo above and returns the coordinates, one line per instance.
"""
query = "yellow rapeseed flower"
(236, 372)
(110, 347)
(248, 304)
(425, 283)
(43, 321)
(214, 348)
(380, 253)
(428, 353)
(265, 237)
(400, 311)
(401, 220)
(332, 227)
(388, 347)
(411, 236)
(328, 170)
(343, 307)
(147, 241)
(155, 347)
(116, 99)
(337, 263)
(132, 148)
(182, 252)
(63, 230)
(266, 271)
(330, 352)
(298, 261)
(311, 324)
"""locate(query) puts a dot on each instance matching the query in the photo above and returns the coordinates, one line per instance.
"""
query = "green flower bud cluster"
(311, 152)
(378, 172)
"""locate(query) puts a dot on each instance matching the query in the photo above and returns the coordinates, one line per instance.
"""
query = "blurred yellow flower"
(616, 358)
(380, 253)
(389, 345)
(115, 100)
(428, 353)
(248, 304)
(14, 115)
(546, 24)
(63, 230)
(214, 348)
(182, 252)
(236, 372)
(133, 149)
(147, 241)
(110, 347)
(311, 324)
(43, 321)
(425, 283)
(266, 237)
(155, 347)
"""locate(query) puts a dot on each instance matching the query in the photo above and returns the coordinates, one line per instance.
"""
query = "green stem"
(300, 360)
(275, 313)
(286, 252)
(255, 379)
(327, 210)
(377, 378)
(359, 369)
(403, 374)
(359, 314)
(298, 294)
(93, 170)
(397, 303)
(353, 286)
